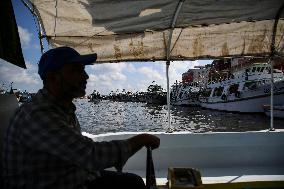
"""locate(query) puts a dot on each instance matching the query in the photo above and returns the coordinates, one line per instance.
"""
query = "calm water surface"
(107, 116)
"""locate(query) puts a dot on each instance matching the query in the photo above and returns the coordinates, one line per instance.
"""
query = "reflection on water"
(108, 116)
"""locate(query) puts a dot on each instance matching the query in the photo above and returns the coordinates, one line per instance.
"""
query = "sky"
(104, 78)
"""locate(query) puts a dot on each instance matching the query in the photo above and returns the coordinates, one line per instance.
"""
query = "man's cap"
(55, 58)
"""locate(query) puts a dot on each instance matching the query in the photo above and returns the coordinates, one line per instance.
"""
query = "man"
(44, 147)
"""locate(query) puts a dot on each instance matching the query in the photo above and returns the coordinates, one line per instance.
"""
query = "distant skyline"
(134, 76)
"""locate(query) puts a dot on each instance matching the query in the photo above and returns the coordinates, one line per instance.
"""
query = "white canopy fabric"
(139, 30)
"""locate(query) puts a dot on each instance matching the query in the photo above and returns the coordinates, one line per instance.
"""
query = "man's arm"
(51, 135)
(138, 141)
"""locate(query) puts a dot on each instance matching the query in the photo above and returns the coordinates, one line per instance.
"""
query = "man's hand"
(148, 140)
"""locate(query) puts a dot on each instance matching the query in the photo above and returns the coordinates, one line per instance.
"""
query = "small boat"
(278, 110)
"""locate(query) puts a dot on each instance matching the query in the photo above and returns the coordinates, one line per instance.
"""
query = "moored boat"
(186, 92)
(245, 89)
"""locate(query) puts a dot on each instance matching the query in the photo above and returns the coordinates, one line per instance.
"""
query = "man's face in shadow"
(73, 80)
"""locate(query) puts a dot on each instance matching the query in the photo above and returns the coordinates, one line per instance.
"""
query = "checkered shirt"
(44, 148)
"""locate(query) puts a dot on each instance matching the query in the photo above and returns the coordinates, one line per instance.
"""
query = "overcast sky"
(136, 76)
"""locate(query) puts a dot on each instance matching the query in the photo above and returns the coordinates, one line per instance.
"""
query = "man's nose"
(86, 75)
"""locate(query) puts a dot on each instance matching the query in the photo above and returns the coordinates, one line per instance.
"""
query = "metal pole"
(35, 13)
(272, 49)
(271, 95)
(168, 61)
(168, 95)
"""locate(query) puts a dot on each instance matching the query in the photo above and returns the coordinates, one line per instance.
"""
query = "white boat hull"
(220, 157)
(252, 104)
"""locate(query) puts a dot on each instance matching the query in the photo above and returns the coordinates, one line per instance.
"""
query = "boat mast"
(168, 61)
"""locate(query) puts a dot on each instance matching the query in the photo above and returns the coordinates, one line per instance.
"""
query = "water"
(108, 116)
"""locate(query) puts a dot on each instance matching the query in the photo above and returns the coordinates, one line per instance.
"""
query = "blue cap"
(55, 58)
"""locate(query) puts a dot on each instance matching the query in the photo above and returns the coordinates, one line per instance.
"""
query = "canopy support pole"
(271, 95)
(35, 14)
(272, 49)
(168, 62)
(168, 95)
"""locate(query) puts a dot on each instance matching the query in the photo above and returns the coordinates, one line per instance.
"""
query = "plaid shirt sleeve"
(53, 134)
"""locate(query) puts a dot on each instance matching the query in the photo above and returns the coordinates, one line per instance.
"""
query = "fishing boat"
(278, 110)
(167, 30)
(245, 90)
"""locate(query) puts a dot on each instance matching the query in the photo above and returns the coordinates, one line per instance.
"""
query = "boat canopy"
(147, 30)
